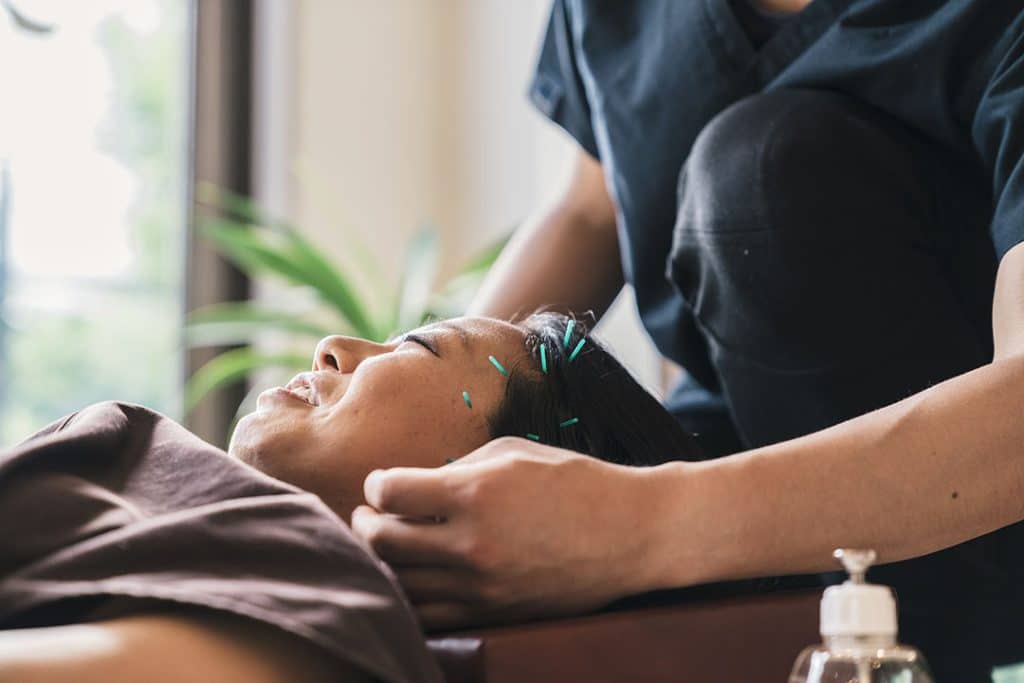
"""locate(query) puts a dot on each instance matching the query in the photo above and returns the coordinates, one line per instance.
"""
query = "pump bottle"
(858, 630)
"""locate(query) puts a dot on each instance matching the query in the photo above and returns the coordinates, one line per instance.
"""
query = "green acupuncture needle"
(570, 421)
(568, 333)
(535, 437)
(576, 350)
(543, 359)
(494, 361)
(465, 397)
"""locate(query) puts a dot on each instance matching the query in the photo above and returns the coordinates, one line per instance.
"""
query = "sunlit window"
(92, 212)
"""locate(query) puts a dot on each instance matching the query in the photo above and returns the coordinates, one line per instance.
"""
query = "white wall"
(406, 111)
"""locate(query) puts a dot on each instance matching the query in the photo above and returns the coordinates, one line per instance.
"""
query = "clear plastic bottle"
(858, 627)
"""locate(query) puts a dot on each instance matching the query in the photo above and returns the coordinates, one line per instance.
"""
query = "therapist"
(819, 206)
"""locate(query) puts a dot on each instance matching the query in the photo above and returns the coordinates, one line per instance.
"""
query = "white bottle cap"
(856, 608)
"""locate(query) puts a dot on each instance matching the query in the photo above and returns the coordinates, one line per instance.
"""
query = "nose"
(342, 354)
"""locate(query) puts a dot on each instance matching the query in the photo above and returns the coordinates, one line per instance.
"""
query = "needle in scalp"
(501, 368)
(576, 351)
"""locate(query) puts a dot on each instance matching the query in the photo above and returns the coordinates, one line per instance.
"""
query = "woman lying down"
(132, 550)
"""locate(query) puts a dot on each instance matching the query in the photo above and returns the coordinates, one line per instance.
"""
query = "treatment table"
(683, 636)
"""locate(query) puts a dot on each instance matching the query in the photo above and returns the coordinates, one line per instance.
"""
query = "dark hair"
(618, 420)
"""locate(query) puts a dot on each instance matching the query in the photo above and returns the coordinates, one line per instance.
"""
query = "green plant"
(264, 246)
(22, 21)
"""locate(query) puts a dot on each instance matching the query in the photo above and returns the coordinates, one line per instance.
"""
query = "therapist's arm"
(531, 531)
(936, 469)
(566, 258)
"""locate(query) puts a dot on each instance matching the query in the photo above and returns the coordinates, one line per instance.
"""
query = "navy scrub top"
(635, 82)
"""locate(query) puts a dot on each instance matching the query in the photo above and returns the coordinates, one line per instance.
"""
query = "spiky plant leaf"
(234, 365)
(238, 322)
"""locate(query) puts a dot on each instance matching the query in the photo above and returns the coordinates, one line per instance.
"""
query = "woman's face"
(366, 406)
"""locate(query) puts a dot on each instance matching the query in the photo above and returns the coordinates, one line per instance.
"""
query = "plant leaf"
(235, 322)
(291, 257)
(333, 286)
(232, 366)
(455, 296)
(485, 258)
(22, 21)
(337, 289)
(239, 208)
(322, 192)
(418, 272)
(240, 243)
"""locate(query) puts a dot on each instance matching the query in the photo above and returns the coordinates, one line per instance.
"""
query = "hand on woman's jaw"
(368, 405)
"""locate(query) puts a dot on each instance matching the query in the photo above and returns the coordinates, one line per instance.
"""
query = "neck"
(784, 6)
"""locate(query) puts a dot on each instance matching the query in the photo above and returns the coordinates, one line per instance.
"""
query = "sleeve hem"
(547, 97)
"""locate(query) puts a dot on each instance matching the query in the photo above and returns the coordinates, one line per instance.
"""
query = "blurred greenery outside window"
(93, 141)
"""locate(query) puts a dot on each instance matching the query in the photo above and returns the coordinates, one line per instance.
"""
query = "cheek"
(412, 420)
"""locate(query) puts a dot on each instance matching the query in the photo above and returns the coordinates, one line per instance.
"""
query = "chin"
(245, 441)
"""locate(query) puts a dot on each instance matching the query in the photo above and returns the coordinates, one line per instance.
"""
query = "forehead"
(477, 333)
(476, 330)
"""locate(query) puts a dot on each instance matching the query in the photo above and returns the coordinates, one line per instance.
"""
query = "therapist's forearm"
(566, 259)
(936, 469)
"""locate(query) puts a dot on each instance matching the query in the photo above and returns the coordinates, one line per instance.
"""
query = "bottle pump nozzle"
(856, 607)
(855, 562)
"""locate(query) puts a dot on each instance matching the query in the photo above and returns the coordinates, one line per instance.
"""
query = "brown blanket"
(117, 506)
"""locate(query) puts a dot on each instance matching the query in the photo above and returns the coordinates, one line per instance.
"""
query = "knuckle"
(478, 553)
(504, 443)
(472, 492)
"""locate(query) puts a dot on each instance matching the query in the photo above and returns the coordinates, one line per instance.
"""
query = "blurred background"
(393, 136)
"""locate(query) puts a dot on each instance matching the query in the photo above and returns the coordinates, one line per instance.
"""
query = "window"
(93, 152)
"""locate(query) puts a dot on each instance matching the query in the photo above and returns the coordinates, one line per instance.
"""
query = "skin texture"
(160, 648)
(381, 405)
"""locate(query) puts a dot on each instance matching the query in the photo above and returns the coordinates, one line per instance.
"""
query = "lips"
(303, 387)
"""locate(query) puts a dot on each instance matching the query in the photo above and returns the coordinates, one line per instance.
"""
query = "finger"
(430, 584)
(407, 542)
(412, 491)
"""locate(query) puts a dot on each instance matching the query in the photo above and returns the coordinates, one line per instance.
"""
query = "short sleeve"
(998, 135)
(557, 89)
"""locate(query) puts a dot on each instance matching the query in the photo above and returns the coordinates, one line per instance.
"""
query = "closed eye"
(416, 339)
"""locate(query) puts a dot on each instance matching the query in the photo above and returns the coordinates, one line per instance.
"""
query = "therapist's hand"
(526, 531)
